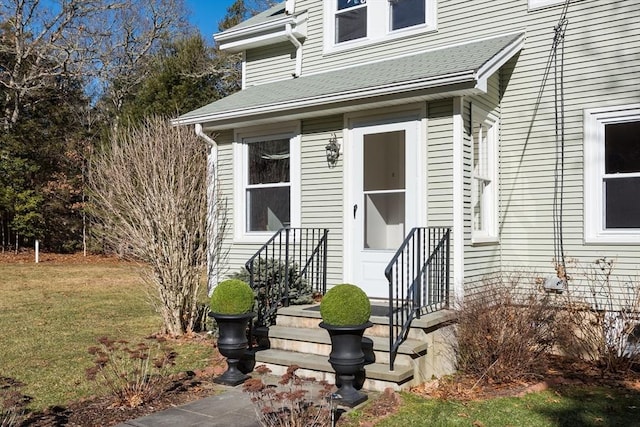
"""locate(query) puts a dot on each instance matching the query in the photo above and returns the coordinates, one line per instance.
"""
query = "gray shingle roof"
(419, 71)
(274, 12)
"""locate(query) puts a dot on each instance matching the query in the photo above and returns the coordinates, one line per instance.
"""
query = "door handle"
(355, 209)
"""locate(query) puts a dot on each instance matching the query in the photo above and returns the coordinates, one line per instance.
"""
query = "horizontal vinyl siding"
(235, 254)
(270, 63)
(440, 164)
(601, 68)
(322, 189)
(455, 19)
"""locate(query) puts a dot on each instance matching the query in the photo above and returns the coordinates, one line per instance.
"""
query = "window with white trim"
(612, 174)
(358, 22)
(266, 184)
(484, 191)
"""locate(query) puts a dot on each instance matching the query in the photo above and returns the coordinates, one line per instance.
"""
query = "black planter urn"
(347, 360)
(232, 344)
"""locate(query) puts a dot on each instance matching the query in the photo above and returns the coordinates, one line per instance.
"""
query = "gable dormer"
(275, 36)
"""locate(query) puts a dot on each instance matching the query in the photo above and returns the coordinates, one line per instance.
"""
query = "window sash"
(406, 13)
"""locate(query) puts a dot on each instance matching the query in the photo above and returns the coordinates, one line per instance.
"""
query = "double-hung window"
(266, 177)
(612, 174)
(484, 191)
(358, 22)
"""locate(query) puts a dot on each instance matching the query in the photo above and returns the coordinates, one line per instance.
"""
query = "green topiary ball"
(345, 305)
(232, 296)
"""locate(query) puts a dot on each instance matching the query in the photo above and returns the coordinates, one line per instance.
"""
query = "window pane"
(268, 209)
(407, 13)
(269, 162)
(478, 205)
(622, 147)
(351, 25)
(622, 198)
(345, 4)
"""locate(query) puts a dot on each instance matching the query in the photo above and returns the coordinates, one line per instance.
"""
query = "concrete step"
(308, 316)
(278, 334)
(378, 375)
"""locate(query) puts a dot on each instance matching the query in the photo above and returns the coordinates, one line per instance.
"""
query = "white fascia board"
(262, 34)
(495, 63)
(398, 88)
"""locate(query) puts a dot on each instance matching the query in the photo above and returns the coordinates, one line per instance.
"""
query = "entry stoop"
(296, 339)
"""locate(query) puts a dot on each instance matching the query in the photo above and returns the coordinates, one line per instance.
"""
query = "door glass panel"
(384, 190)
(384, 167)
(384, 220)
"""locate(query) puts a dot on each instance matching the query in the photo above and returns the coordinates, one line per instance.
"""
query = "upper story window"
(357, 22)
(612, 174)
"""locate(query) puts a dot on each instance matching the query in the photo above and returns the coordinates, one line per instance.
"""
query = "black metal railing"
(418, 277)
(291, 266)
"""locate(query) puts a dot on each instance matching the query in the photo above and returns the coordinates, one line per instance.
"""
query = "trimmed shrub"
(345, 305)
(232, 296)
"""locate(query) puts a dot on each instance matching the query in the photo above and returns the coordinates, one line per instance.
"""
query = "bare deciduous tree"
(96, 40)
(149, 189)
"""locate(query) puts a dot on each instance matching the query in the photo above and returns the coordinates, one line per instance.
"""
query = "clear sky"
(205, 15)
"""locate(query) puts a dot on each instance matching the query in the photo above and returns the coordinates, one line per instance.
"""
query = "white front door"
(384, 176)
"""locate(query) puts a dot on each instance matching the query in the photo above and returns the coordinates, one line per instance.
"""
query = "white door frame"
(355, 126)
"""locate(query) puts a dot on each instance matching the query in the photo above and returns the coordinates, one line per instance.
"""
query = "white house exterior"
(477, 116)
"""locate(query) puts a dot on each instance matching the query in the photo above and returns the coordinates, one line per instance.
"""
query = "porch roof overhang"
(456, 70)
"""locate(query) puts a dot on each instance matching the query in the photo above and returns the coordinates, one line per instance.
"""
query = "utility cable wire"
(558, 194)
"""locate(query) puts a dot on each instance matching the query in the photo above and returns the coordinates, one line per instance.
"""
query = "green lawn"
(50, 314)
(564, 406)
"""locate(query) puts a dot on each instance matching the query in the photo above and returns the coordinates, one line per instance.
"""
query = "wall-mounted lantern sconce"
(333, 151)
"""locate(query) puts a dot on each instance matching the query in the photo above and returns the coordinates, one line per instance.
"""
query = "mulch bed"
(560, 372)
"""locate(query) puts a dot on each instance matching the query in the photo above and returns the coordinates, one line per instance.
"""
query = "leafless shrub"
(149, 190)
(601, 324)
(290, 403)
(504, 331)
(134, 374)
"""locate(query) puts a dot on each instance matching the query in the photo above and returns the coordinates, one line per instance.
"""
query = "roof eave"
(495, 63)
(465, 80)
(262, 34)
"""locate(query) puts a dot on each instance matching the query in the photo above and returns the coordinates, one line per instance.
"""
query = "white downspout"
(212, 210)
(298, 45)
